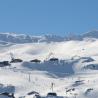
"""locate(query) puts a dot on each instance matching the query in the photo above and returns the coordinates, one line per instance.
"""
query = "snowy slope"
(74, 74)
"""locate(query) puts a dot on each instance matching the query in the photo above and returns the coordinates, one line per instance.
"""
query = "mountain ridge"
(23, 38)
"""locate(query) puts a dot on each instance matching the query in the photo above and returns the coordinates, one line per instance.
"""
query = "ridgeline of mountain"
(22, 38)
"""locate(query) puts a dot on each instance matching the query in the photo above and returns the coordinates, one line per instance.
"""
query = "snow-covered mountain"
(22, 38)
(69, 63)
(17, 38)
(91, 34)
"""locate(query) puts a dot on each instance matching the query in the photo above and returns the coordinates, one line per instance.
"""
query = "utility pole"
(66, 90)
(75, 95)
(29, 77)
(52, 86)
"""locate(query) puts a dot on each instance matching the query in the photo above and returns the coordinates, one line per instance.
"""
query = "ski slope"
(75, 74)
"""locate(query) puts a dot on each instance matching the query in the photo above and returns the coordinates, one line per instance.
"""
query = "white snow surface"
(77, 68)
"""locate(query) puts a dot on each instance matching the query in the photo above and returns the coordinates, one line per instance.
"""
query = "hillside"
(71, 64)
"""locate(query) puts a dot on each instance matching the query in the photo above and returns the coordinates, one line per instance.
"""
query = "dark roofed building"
(16, 60)
(36, 61)
(53, 59)
(4, 63)
(8, 95)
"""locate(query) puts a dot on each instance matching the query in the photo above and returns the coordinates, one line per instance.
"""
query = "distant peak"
(91, 34)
